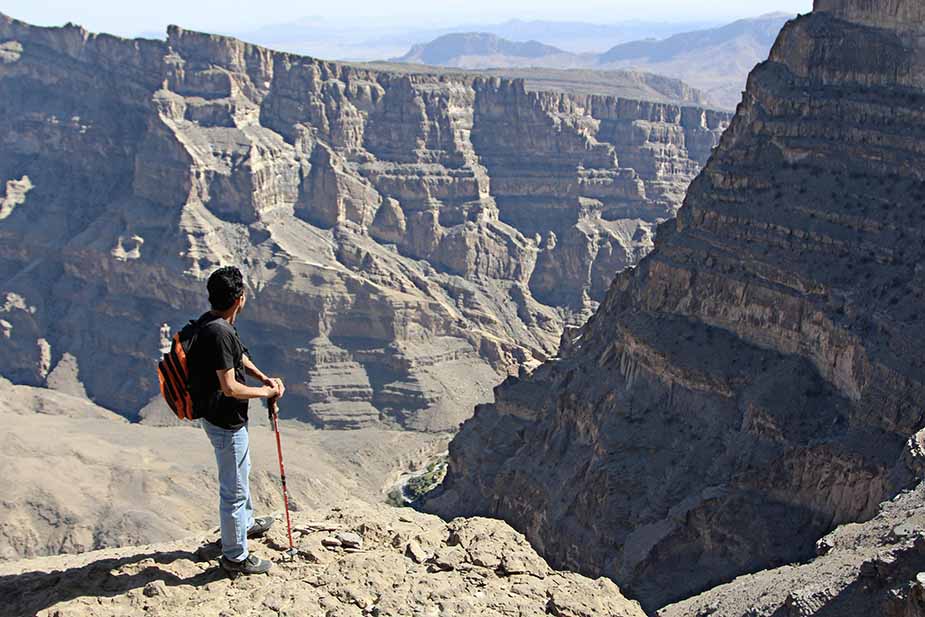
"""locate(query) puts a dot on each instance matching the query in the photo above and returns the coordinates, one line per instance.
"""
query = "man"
(218, 363)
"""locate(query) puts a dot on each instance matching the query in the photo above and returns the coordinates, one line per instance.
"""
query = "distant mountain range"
(575, 36)
(715, 60)
(762, 29)
(365, 40)
(454, 49)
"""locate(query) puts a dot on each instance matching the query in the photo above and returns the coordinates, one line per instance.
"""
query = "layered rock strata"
(395, 229)
(758, 379)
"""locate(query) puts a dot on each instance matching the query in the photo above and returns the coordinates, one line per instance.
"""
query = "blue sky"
(130, 18)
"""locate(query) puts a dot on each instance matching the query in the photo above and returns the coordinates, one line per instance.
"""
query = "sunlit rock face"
(408, 239)
(759, 378)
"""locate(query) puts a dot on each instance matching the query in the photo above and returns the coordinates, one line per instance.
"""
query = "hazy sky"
(130, 18)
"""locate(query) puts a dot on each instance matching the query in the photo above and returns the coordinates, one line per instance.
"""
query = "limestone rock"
(416, 552)
(175, 579)
(350, 539)
(449, 558)
(758, 378)
(155, 589)
(383, 219)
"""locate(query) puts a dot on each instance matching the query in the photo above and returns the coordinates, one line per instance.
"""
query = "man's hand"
(269, 391)
(274, 388)
(278, 389)
(277, 383)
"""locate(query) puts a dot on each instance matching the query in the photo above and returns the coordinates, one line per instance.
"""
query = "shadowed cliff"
(758, 379)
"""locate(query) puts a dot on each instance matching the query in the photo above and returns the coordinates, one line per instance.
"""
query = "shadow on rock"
(31, 592)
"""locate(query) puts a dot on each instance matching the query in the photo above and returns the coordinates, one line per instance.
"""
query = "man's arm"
(235, 389)
(255, 372)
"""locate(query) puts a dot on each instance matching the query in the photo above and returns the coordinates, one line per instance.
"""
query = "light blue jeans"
(236, 512)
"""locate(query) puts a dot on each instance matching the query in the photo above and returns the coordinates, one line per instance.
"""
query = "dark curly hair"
(225, 286)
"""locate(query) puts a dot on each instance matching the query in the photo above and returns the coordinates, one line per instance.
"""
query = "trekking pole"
(282, 472)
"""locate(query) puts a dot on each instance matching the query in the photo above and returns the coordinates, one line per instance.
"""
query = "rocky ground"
(354, 560)
(758, 379)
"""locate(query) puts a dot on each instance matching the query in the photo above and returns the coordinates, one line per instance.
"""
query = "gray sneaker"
(252, 565)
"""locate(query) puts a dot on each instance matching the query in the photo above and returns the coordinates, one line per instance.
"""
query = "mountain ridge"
(704, 58)
(476, 42)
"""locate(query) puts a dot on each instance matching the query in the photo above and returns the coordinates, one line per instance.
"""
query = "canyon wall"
(759, 378)
(396, 230)
(873, 568)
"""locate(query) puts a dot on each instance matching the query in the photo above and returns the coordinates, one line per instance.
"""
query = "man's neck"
(228, 315)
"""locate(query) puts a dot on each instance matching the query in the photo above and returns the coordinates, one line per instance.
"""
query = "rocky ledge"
(352, 561)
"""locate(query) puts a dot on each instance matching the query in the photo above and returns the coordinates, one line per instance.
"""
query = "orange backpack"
(173, 373)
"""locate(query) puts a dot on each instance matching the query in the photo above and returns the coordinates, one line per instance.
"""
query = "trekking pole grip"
(272, 408)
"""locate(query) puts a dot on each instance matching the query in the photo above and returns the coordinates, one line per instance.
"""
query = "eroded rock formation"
(397, 230)
(758, 379)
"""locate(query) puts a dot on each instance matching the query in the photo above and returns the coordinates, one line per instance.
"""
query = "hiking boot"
(252, 565)
(260, 527)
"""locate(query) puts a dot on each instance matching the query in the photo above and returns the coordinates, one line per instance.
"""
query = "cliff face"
(759, 378)
(865, 569)
(901, 16)
(387, 223)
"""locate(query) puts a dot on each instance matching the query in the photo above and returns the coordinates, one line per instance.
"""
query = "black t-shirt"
(216, 348)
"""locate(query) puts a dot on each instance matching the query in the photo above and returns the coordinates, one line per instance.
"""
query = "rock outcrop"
(874, 568)
(352, 561)
(759, 378)
(397, 229)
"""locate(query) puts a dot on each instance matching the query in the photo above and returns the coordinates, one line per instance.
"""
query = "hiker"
(219, 391)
